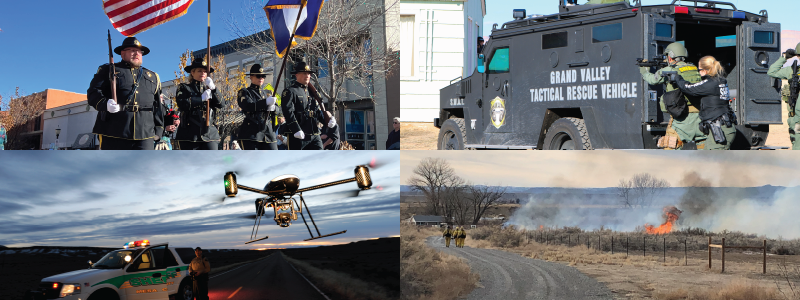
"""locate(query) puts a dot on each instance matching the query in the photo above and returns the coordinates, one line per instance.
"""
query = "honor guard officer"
(302, 112)
(778, 70)
(256, 132)
(193, 134)
(686, 127)
(198, 269)
(136, 121)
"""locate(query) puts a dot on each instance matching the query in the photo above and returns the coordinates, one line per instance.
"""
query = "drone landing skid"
(327, 235)
(264, 238)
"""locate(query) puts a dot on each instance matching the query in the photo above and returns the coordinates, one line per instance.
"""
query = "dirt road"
(510, 276)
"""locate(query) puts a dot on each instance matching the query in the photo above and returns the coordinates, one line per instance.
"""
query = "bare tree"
(456, 203)
(483, 197)
(624, 191)
(23, 115)
(432, 177)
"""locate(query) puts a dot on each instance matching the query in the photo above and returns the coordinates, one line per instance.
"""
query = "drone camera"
(230, 184)
(362, 178)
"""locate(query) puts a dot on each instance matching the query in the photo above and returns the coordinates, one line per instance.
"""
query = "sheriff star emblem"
(498, 112)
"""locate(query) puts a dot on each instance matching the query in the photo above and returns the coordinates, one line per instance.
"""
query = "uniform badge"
(307, 68)
(498, 112)
(136, 42)
(261, 70)
(149, 75)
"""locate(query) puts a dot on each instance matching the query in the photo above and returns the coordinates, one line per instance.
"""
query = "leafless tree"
(483, 197)
(23, 114)
(432, 177)
(641, 189)
(624, 192)
(457, 206)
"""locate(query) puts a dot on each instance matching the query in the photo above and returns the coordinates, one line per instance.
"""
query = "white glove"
(112, 106)
(300, 135)
(332, 123)
(270, 103)
(206, 95)
(210, 83)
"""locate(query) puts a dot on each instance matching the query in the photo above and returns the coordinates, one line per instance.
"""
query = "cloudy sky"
(582, 169)
(105, 198)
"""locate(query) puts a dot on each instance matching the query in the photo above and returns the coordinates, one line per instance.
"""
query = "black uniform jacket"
(257, 124)
(190, 104)
(332, 133)
(714, 93)
(301, 111)
(139, 118)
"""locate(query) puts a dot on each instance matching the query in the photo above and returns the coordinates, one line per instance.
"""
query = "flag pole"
(208, 70)
(285, 56)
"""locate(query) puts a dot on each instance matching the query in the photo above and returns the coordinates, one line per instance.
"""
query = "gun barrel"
(111, 71)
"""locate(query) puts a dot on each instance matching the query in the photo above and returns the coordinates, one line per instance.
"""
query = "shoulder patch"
(285, 93)
(688, 68)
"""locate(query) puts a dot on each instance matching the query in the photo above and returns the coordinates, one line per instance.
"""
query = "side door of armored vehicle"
(147, 276)
(497, 89)
(659, 32)
(758, 101)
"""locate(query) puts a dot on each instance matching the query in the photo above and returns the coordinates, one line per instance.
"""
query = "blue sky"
(499, 12)
(59, 44)
(104, 199)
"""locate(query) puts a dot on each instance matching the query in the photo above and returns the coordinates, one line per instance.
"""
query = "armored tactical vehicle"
(571, 80)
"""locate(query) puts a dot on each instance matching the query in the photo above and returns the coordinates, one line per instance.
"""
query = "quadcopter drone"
(281, 193)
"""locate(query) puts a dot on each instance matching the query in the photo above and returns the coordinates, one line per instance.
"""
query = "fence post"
(723, 255)
(644, 246)
(598, 244)
(685, 255)
(709, 252)
(569, 240)
(612, 245)
(627, 243)
(665, 250)
(765, 257)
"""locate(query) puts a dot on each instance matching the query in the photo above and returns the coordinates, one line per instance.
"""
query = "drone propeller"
(374, 163)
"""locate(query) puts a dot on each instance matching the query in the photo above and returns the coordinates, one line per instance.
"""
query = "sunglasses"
(396, 122)
(260, 76)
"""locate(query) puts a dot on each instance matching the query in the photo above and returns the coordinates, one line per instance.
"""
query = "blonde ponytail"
(712, 66)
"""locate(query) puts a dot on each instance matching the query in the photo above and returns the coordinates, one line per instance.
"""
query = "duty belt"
(135, 108)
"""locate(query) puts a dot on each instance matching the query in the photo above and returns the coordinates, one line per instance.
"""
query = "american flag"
(131, 17)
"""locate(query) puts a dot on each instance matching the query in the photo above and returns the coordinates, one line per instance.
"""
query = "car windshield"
(115, 259)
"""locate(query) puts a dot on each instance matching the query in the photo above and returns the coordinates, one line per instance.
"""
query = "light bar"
(134, 244)
(739, 15)
(682, 10)
(707, 10)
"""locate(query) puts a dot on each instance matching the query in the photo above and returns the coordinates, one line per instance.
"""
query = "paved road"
(270, 278)
(506, 275)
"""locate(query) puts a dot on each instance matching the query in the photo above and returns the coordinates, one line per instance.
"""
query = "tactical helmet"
(797, 49)
(675, 50)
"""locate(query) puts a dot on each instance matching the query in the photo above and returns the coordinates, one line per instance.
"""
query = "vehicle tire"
(452, 135)
(104, 294)
(567, 134)
(184, 290)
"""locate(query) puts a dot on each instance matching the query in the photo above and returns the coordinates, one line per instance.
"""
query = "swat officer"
(193, 134)
(198, 269)
(302, 112)
(684, 127)
(447, 234)
(135, 120)
(259, 108)
(778, 70)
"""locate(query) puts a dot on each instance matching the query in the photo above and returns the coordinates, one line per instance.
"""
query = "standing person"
(330, 136)
(136, 122)
(259, 108)
(393, 142)
(447, 234)
(463, 236)
(198, 269)
(193, 134)
(684, 127)
(302, 113)
(717, 118)
(480, 44)
(777, 71)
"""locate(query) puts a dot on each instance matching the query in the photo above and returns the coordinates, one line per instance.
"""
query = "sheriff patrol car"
(135, 272)
(571, 81)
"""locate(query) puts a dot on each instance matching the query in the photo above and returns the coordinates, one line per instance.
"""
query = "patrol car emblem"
(498, 112)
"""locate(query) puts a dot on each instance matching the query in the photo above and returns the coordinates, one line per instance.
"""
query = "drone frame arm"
(324, 185)
(254, 190)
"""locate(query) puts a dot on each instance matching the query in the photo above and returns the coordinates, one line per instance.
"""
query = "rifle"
(657, 62)
(794, 89)
(314, 94)
(208, 71)
(112, 75)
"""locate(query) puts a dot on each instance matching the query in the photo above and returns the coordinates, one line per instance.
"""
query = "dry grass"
(426, 273)
(343, 285)
(743, 290)
(418, 136)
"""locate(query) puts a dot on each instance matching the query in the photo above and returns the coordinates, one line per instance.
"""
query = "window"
(764, 37)
(726, 41)
(554, 40)
(607, 33)
(408, 40)
(499, 62)
(664, 30)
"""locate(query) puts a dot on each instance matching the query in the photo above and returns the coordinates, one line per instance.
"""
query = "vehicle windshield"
(115, 259)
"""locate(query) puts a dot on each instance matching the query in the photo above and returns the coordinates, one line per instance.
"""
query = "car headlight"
(68, 289)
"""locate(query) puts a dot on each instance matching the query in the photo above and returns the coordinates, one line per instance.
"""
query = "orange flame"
(671, 215)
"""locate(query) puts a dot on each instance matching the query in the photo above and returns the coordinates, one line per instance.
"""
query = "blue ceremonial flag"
(282, 15)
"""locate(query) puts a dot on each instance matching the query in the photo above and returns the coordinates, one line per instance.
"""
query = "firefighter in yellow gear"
(456, 234)
(463, 236)
(447, 234)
